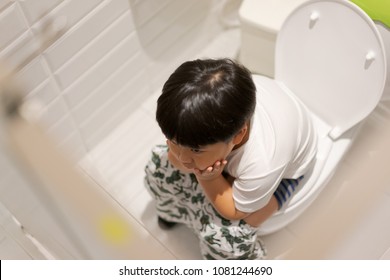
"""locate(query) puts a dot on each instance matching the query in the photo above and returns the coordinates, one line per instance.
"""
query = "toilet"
(330, 55)
(261, 21)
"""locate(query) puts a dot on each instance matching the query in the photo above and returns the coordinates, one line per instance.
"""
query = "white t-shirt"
(282, 144)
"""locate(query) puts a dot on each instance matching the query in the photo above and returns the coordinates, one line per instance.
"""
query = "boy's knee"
(230, 242)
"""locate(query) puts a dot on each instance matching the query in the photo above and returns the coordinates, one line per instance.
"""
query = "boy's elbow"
(233, 215)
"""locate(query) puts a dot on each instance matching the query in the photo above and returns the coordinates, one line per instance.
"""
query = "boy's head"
(206, 101)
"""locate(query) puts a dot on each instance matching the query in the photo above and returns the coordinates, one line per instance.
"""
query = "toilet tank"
(261, 21)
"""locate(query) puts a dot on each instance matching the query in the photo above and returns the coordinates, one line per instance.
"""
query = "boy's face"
(202, 157)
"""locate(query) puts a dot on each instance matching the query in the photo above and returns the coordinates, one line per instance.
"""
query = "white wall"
(112, 56)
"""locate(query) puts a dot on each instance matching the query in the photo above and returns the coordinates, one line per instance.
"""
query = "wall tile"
(184, 47)
(11, 229)
(110, 88)
(386, 255)
(2, 235)
(69, 11)
(15, 55)
(111, 115)
(146, 10)
(95, 50)
(54, 112)
(12, 186)
(75, 10)
(62, 129)
(34, 10)
(163, 20)
(44, 93)
(12, 25)
(101, 71)
(85, 31)
(10, 250)
(31, 76)
(169, 32)
(4, 3)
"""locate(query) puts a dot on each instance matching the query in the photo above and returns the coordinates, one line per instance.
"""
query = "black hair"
(206, 101)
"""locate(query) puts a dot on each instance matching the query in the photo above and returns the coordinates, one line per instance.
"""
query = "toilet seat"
(331, 56)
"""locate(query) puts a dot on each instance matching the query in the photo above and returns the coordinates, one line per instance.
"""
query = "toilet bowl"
(329, 55)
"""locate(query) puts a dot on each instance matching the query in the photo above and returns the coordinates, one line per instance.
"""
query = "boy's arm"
(257, 218)
(217, 188)
(219, 191)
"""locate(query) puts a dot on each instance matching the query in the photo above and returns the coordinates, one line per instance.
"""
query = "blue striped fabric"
(285, 190)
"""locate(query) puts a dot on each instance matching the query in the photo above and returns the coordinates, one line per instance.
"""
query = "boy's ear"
(240, 135)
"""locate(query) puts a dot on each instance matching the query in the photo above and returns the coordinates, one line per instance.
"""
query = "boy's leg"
(180, 199)
(224, 239)
(171, 189)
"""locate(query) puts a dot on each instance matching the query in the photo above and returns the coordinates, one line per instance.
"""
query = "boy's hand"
(211, 172)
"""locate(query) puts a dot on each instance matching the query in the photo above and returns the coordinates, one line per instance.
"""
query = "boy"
(235, 154)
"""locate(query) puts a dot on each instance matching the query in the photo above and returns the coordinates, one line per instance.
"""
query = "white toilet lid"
(330, 54)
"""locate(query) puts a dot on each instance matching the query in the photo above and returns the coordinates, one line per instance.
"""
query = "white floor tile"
(120, 160)
(368, 238)
(278, 243)
(180, 241)
(328, 195)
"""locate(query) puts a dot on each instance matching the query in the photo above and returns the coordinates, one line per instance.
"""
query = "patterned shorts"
(179, 198)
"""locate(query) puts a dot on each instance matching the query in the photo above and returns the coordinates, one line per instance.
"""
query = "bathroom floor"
(118, 163)
(122, 157)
